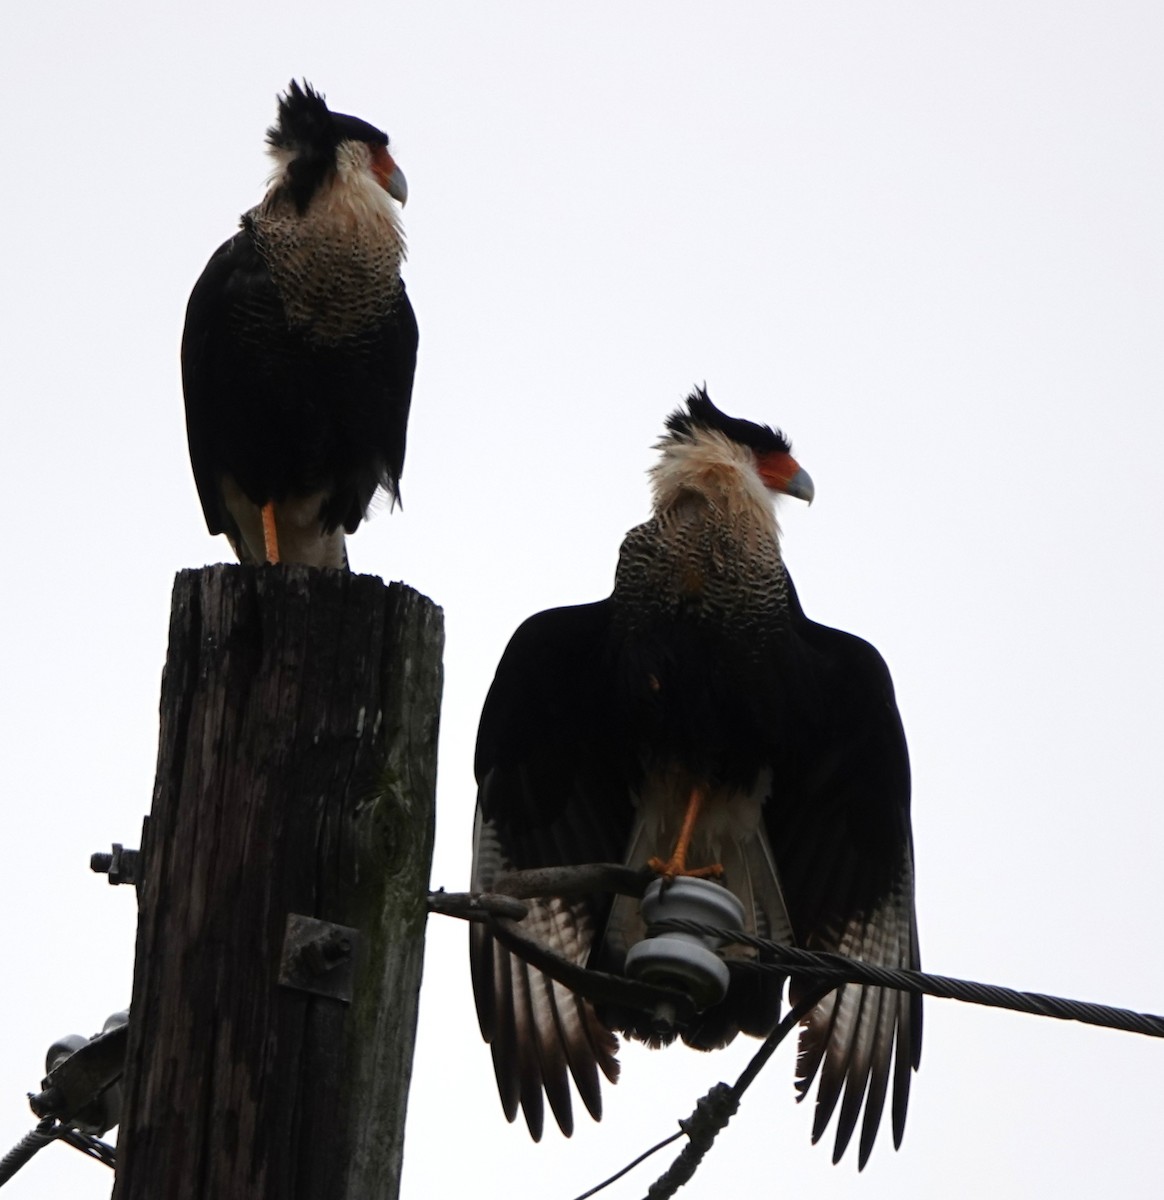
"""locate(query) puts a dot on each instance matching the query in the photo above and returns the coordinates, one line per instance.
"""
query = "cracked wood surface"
(296, 774)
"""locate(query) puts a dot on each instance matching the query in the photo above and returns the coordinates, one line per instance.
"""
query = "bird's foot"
(270, 536)
(677, 867)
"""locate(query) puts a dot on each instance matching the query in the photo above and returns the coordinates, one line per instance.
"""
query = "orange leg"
(270, 538)
(677, 863)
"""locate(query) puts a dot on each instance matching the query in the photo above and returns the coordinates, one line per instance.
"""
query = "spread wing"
(551, 792)
(839, 829)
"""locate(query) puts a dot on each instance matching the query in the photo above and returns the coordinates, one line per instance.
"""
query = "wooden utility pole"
(282, 895)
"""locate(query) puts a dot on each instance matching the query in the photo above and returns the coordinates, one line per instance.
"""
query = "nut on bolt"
(120, 866)
(324, 952)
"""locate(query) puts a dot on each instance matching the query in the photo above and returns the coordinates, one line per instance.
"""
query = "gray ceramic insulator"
(687, 962)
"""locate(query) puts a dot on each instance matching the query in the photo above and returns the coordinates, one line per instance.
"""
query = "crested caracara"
(700, 690)
(300, 345)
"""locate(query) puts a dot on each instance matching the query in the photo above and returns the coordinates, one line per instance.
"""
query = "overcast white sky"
(926, 238)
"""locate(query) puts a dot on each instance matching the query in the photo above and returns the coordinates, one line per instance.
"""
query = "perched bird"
(697, 720)
(300, 345)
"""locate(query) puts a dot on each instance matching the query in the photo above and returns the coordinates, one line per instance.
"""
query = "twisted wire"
(826, 971)
(49, 1131)
(25, 1149)
(836, 968)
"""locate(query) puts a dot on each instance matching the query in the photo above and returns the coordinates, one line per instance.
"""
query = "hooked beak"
(782, 473)
(396, 185)
(388, 175)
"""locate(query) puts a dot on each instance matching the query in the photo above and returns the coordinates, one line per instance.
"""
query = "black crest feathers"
(702, 414)
(308, 131)
(305, 130)
(303, 121)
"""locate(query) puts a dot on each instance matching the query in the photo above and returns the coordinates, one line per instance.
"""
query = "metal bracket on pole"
(319, 957)
(82, 1088)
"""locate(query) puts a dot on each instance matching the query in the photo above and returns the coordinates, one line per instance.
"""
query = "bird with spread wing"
(697, 720)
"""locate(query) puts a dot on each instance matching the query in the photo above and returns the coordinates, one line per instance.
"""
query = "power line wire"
(837, 969)
(47, 1132)
(827, 971)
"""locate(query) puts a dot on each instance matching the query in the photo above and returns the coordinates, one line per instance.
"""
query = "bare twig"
(572, 881)
(476, 906)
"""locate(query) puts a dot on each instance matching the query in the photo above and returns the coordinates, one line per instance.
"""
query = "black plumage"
(701, 672)
(300, 343)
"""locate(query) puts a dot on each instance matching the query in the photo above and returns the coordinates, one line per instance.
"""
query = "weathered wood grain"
(296, 774)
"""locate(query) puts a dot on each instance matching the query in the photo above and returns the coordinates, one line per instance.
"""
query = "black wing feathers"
(549, 792)
(556, 773)
(839, 828)
(284, 414)
(205, 363)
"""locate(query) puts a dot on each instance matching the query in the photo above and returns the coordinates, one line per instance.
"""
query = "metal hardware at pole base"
(82, 1088)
